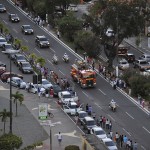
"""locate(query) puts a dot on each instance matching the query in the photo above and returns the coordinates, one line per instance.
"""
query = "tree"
(17, 43)
(69, 25)
(41, 61)
(17, 97)
(4, 115)
(10, 142)
(24, 48)
(126, 19)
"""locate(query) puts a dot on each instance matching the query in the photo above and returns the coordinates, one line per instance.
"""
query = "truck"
(83, 75)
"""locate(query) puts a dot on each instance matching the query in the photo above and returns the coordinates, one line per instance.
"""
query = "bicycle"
(51, 115)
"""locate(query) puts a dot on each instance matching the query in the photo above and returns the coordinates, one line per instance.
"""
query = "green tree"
(17, 43)
(24, 48)
(17, 97)
(41, 61)
(69, 25)
(10, 142)
(4, 115)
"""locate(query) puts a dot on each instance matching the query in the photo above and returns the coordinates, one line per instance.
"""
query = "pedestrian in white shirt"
(59, 137)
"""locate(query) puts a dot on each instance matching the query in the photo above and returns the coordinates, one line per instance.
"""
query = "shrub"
(72, 147)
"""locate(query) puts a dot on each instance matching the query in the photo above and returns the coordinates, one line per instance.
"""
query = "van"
(145, 57)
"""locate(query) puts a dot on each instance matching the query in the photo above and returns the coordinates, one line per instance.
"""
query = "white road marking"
(52, 50)
(15, 30)
(111, 117)
(98, 105)
(129, 115)
(25, 40)
(37, 50)
(85, 94)
(146, 129)
(102, 91)
(143, 147)
(5, 22)
(61, 72)
(49, 61)
(126, 131)
(35, 108)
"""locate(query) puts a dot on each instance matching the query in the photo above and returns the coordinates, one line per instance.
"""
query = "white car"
(46, 84)
(2, 41)
(17, 82)
(67, 96)
(73, 7)
(72, 108)
(109, 144)
(123, 64)
(99, 132)
(145, 73)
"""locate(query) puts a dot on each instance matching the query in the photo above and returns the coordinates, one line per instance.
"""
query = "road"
(129, 118)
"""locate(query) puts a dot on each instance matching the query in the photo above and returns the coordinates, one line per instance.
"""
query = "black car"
(2, 8)
(19, 58)
(6, 47)
(81, 115)
(25, 67)
(2, 64)
(14, 18)
(42, 41)
(27, 29)
(56, 89)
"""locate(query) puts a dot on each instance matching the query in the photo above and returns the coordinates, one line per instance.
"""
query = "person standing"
(58, 34)
(104, 122)
(90, 110)
(110, 125)
(87, 107)
(135, 146)
(121, 140)
(39, 92)
(117, 137)
(125, 139)
(107, 124)
(59, 138)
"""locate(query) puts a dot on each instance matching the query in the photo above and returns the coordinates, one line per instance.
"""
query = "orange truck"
(83, 75)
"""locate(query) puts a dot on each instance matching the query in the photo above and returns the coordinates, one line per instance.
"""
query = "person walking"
(87, 107)
(117, 137)
(121, 140)
(59, 138)
(110, 125)
(135, 146)
(90, 111)
(101, 120)
(107, 124)
(39, 92)
(76, 119)
(104, 122)
(111, 134)
(58, 34)
(125, 139)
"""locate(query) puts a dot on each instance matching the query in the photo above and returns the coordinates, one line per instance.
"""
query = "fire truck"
(81, 74)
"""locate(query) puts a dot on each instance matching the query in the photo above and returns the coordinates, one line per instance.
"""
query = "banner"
(43, 108)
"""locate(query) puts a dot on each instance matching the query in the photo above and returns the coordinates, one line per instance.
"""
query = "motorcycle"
(113, 106)
(55, 60)
(65, 58)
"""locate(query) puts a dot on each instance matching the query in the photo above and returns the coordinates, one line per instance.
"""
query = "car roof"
(72, 103)
(26, 25)
(41, 36)
(25, 62)
(19, 54)
(106, 140)
(80, 112)
(89, 118)
(16, 78)
(97, 128)
(65, 92)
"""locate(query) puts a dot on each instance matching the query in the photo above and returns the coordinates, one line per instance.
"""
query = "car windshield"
(73, 106)
(14, 15)
(45, 82)
(8, 46)
(99, 132)
(123, 63)
(143, 62)
(91, 123)
(20, 58)
(19, 80)
(82, 115)
(27, 27)
(56, 87)
(110, 143)
(26, 65)
(2, 40)
(1, 6)
(67, 96)
(43, 39)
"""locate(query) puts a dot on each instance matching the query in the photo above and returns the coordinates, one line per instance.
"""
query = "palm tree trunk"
(4, 126)
(16, 109)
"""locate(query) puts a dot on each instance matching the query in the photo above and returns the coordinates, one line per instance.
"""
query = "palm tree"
(4, 114)
(32, 58)
(24, 48)
(17, 97)
(17, 43)
(41, 61)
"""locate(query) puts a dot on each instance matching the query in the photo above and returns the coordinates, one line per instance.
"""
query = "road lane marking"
(126, 131)
(111, 117)
(61, 72)
(85, 94)
(102, 91)
(146, 129)
(49, 61)
(35, 108)
(25, 40)
(52, 50)
(5, 22)
(15, 30)
(129, 115)
(98, 105)
(37, 50)
(143, 147)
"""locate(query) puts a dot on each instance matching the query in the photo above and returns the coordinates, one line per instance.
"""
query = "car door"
(13, 82)
(66, 109)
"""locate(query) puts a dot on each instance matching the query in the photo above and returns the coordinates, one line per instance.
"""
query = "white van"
(145, 57)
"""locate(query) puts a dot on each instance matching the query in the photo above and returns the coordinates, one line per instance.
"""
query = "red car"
(6, 75)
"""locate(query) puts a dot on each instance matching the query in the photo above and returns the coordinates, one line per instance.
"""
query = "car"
(2, 42)
(17, 82)
(145, 72)
(7, 47)
(72, 7)
(2, 64)
(141, 64)
(99, 132)
(25, 67)
(42, 41)
(56, 89)
(88, 123)
(6, 75)
(66, 96)
(46, 84)
(14, 18)
(72, 108)
(145, 57)
(27, 29)
(123, 64)
(19, 58)
(2, 8)
(130, 57)
(81, 115)
(109, 144)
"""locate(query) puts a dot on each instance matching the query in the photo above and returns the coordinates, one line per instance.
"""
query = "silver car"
(46, 84)
(2, 41)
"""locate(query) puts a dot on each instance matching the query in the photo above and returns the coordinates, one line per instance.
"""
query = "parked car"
(145, 72)
(25, 67)
(99, 132)
(81, 115)
(2, 8)
(56, 89)
(109, 144)
(2, 42)
(130, 57)
(123, 64)
(14, 18)
(7, 46)
(2, 64)
(88, 123)
(46, 84)
(17, 82)
(27, 29)
(42, 41)
(6, 75)
(145, 57)
(141, 64)
(19, 58)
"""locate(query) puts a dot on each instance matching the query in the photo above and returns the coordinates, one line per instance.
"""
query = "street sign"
(43, 111)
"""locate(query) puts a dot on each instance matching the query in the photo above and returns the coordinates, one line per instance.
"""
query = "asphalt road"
(129, 118)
